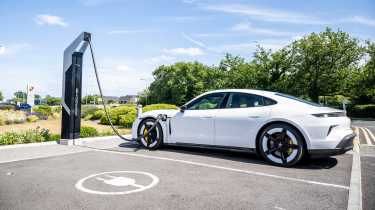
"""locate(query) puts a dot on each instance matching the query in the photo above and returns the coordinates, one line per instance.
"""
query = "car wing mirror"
(183, 108)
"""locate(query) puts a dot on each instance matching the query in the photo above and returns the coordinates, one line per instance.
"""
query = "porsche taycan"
(278, 127)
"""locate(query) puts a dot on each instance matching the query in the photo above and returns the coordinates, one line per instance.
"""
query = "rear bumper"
(343, 146)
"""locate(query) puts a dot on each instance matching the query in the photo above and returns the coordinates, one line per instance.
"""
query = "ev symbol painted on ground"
(117, 182)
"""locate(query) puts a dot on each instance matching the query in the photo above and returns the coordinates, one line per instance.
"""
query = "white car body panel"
(239, 127)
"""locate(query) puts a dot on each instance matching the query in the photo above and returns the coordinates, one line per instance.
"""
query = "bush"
(56, 109)
(32, 118)
(7, 107)
(125, 115)
(98, 115)
(116, 112)
(12, 117)
(127, 120)
(30, 136)
(363, 111)
(87, 131)
(10, 138)
(43, 110)
(88, 110)
(88, 117)
(158, 107)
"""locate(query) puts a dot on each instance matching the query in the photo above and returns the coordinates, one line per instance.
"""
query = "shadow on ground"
(306, 163)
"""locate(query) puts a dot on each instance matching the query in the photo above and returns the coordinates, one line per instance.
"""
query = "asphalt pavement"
(368, 176)
(115, 175)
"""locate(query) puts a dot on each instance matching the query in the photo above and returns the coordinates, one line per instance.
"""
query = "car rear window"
(297, 99)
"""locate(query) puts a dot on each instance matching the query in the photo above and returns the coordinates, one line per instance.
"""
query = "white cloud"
(14, 48)
(160, 59)
(361, 20)
(250, 47)
(2, 49)
(192, 51)
(114, 32)
(45, 19)
(265, 14)
(200, 44)
(248, 28)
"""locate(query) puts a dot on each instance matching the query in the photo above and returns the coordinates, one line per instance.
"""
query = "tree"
(52, 101)
(234, 72)
(323, 61)
(319, 64)
(180, 82)
(1, 96)
(363, 88)
(20, 96)
(273, 69)
(90, 99)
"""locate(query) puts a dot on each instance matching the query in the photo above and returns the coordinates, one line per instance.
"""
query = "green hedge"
(158, 107)
(126, 114)
(87, 131)
(97, 115)
(87, 111)
(116, 112)
(43, 109)
(362, 111)
(30, 136)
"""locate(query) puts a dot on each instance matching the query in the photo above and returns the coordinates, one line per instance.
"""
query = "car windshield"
(297, 99)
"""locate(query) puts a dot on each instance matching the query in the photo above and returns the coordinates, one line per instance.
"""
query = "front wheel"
(154, 139)
(281, 145)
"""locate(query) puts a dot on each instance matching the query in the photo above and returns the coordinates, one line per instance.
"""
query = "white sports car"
(280, 128)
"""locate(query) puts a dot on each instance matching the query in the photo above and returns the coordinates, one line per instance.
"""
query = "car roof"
(251, 91)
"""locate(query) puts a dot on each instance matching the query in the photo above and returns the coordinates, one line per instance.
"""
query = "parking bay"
(187, 179)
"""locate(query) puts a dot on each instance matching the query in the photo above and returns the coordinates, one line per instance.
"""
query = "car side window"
(210, 101)
(245, 100)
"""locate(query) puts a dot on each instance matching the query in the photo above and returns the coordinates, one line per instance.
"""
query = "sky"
(132, 38)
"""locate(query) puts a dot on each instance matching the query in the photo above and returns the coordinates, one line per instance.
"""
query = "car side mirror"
(183, 108)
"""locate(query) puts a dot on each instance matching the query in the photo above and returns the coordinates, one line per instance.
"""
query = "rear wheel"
(281, 145)
(154, 139)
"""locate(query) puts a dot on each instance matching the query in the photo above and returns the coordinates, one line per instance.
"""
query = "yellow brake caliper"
(146, 136)
(290, 150)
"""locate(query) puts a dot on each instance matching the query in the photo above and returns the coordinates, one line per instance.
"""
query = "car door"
(196, 124)
(238, 124)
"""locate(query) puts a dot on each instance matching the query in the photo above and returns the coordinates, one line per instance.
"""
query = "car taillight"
(331, 114)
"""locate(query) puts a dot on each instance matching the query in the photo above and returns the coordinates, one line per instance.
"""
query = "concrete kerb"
(355, 190)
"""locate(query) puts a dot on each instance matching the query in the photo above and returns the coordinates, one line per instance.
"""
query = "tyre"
(281, 145)
(154, 139)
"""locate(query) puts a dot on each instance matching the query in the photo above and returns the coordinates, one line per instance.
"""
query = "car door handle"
(206, 117)
(253, 116)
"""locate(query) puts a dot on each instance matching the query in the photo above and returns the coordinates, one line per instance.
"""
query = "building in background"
(128, 99)
(111, 99)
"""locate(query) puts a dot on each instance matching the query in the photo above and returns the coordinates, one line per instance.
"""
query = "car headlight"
(331, 114)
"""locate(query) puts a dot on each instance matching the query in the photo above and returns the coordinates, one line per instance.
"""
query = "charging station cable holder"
(72, 90)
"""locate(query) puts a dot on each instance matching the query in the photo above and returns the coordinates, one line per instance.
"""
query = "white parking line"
(228, 169)
(356, 138)
(370, 133)
(368, 140)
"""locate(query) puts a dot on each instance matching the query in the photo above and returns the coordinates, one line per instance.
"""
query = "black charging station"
(72, 87)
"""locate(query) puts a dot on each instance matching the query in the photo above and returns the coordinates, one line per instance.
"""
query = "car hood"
(155, 113)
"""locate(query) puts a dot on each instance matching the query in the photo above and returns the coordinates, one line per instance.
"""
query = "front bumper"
(344, 145)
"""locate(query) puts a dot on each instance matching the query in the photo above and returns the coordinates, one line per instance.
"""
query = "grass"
(54, 126)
